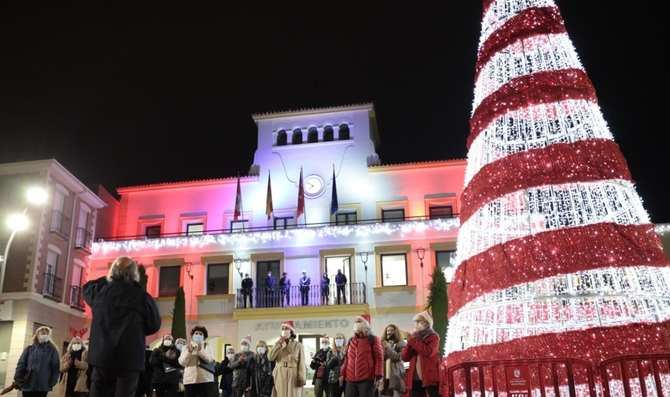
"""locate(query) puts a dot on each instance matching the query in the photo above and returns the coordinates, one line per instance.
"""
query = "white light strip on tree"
(502, 11)
(536, 127)
(304, 236)
(551, 207)
(663, 228)
(523, 57)
(594, 298)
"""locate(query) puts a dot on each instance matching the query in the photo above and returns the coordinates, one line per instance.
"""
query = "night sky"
(124, 96)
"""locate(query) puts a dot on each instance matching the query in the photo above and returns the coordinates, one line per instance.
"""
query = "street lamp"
(365, 256)
(36, 196)
(421, 253)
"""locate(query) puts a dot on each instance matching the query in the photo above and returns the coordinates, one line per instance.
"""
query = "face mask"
(76, 347)
(230, 356)
(324, 346)
(339, 342)
(179, 347)
(167, 343)
(286, 333)
(261, 350)
(244, 348)
(197, 338)
(43, 338)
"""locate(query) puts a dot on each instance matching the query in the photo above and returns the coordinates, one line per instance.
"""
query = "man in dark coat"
(341, 282)
(123, 315)
(285, 289)
(305, 283)
(247, 288)
(270, 290)
(325, 289)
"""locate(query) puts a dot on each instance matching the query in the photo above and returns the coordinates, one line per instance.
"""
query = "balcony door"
(262, 268)
(333, 264)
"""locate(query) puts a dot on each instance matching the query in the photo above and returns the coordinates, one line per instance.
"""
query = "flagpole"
(304, 202)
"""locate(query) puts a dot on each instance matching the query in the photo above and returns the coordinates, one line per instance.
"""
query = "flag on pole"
(268, 201)
(301, 198)
(333, 200)
(238, 201)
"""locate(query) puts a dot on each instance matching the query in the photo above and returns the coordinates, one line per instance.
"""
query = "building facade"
(391, 226)
(47, 263)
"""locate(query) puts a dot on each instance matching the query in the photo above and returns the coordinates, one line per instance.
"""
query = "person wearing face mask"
(263, 381)
(334, 360)
(166, 371)
(304, 283)
(394, 371)
(289, 357)
(270, 290)
(285, 290)
(223, 370)
(243, 365)
(73, 368)
(325, 289)
(247, 289)
(363, 365)
(318, 364)
(39, 365)
(423, 353)
(199, 366)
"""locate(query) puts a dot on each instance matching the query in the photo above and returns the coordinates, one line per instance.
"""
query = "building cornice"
(310, 111)
(186, 184)
(417, 165)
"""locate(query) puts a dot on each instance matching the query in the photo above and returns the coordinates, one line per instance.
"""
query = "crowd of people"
(117, 363)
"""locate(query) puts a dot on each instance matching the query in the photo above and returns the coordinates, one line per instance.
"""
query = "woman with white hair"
(73, 368)
(38, 367)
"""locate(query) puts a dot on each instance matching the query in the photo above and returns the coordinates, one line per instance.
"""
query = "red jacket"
(364, 359)
(428, 348)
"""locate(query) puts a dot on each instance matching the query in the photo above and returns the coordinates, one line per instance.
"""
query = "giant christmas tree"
(557, 256)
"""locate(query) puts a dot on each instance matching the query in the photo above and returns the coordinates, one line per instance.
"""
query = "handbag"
(209, 367)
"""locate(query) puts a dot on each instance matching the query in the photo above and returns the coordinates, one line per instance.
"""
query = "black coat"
(263, 381)
(165, 365)
(226, 374)
(247, 283)
(243, 371)
(123, 314)
(340, 279)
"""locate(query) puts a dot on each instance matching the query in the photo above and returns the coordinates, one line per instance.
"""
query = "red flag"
(301, 198)
(238, 201)
(268, 201)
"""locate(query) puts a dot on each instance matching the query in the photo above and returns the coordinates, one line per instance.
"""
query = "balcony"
(76, 299)
(353, 294)
(52, 287)
(60, 224)
(83, 239)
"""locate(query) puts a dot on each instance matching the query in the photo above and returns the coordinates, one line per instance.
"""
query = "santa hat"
(425, 316)
(247, 340)
(365, 319)
(288, 324)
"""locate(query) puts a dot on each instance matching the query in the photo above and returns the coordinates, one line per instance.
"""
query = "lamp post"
(35, 196)
(421, 253)
(365, 256)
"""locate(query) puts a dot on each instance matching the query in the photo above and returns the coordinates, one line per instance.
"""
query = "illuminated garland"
(302, 236)
(502, 11)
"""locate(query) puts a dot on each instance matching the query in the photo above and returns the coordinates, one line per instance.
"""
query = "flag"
(301, 198)
(333, 200)
(238, 201)
(268, 201)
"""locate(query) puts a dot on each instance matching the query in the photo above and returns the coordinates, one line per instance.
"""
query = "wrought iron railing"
(76, 299)
(296, 296)
(83, 239)
(60, 223)
(52, 286)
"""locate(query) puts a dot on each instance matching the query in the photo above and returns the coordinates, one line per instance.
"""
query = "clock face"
(314, 186)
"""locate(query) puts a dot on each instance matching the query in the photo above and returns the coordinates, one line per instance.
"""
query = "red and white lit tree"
(557, 256)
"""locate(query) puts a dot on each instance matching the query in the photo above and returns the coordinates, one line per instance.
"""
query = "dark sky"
(148, 94)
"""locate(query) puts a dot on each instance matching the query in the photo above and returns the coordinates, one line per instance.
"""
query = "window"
(343, 132)
(75, 286)
(393, 215)
(239, 225)
(296, 139)
(346, 218)
(439, 212)
(446, 260)
(83, 236)
(60, 222)
(282, 138)
(328, 134)
(394, 269)
(282, 222)
(169, 280)
(313, 135)
(49, 284)
(153, 231)
(195, 229)
(217, 278)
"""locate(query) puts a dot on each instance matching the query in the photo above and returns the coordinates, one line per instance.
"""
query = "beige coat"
(192, 371)
(290, 371)
(81, 375)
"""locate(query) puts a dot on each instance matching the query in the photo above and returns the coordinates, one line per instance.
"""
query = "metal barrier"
(623, 366)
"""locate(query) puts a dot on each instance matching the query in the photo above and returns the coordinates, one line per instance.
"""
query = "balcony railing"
(52, 286)
(315, 295)
(60, 223)
(76, 299)
(83, 239)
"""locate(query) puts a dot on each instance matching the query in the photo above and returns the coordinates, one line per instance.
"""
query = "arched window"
(328, 134)
(312, 135)
(296, 139)
(343, 133)
(282, 138)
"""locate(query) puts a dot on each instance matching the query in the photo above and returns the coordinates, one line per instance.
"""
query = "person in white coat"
(199, 366)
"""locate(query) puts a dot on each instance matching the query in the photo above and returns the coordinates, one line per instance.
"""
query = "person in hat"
(318, 364)
(263, 382)
(166, 371)
(423, 353)
(39, 365)
(394, 371)
(289, 357)
(363, 365)
(243, 369)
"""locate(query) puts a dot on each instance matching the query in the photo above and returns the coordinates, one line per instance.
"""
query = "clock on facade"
(314, 186)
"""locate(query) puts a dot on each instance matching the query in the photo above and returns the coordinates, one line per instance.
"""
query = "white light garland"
(601, 297)
(552, 207)
(663, 228)
(502, 11)
(302, 236)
